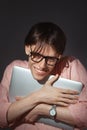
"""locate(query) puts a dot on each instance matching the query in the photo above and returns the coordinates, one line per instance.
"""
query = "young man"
(44, 46)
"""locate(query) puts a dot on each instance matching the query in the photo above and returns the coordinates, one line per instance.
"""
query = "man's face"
(41, 69)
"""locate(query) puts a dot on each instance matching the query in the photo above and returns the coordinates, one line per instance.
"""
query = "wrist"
(53, 112)
(43, 109)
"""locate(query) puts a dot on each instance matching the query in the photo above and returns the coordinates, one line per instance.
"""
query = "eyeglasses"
(36, 57)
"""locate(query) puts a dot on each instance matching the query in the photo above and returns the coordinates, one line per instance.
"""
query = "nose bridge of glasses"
(36, 57)
(46, 58)
(41, 57)
(43, 62)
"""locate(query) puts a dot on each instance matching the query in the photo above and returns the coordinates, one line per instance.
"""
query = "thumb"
(52, 79)
(18, 98)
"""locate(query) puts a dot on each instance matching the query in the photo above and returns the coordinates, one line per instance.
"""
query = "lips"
(39, 71)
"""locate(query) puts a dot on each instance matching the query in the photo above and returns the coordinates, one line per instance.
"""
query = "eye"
(38, 55)
(51, 59)
(35, 55)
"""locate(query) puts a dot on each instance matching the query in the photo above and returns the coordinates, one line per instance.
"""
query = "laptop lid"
(22, 83)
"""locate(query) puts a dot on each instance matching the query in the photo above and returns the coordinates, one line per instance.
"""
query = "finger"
(69, 96)
(69, 91)
(63, 104)
(52, 79)
(18, 98)
(68, 101)
(31, 119)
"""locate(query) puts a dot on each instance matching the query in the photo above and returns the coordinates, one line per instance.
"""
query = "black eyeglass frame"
(47, 58)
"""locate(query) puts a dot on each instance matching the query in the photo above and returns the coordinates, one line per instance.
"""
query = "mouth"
(41, 75)
(40, 71)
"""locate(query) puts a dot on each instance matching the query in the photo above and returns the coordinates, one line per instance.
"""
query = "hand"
(18, 98)
(52, 95)
(39, 111)
(31, 116)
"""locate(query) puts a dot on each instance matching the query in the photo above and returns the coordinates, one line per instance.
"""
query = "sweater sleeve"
(4, 103)
(4, 91)
(79, 110)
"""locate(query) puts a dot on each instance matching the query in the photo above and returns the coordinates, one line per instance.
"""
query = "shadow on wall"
(5, 129)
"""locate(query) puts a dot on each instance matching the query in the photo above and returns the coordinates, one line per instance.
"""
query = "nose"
(42, 63)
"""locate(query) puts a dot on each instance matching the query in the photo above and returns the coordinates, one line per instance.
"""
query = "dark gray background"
(17, 16)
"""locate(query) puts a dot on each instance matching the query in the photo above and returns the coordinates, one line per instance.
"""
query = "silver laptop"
(22, 83)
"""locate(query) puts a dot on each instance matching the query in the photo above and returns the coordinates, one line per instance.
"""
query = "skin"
(41, 70)
(31, 105)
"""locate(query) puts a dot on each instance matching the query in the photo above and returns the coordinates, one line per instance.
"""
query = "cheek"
(30, 64)
(51, 70)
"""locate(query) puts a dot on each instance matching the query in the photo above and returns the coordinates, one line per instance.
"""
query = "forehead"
(46, 50)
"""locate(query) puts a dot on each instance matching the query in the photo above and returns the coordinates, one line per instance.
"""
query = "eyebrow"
(45, 56)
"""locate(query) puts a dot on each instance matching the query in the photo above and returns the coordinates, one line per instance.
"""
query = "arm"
(11, 111)
(63, 114)
(74, 114)
(79, 110)
(44, 95)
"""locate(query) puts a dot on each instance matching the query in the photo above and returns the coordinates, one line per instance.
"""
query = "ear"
(60, 56)
(27, 50)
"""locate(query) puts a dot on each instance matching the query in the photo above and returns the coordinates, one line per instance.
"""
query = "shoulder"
(8, 70)
(67, 60)
(70, 61)
(9, 67)
(64, 64)
(71, 67)
(21, 63)
(75, 64)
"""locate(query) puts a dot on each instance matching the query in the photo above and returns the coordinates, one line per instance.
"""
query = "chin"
(41, 79)
(40, 76)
